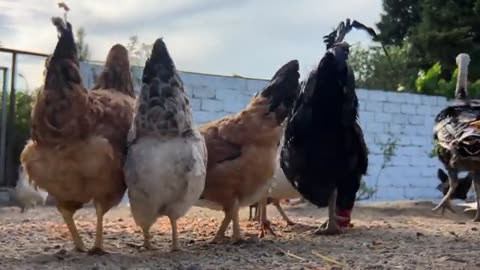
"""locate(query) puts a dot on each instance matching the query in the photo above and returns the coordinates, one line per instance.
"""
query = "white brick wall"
(405, 117)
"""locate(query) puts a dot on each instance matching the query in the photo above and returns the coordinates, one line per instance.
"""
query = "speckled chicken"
(167, 158)
(457, 133)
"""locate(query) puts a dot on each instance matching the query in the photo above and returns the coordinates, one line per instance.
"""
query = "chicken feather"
(457, 134)
(166, 161)
(78, 139)
(242, 149)
(324, 155)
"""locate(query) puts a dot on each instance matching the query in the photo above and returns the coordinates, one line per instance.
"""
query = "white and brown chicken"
(167, 158)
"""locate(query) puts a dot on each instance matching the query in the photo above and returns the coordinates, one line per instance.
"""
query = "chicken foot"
(175, 242)
(331, 227)
(265, 224)
(445, 202)
(476, 187)
(231, 214)
(220, 235)
(237, 236)
(146, 239)
(67, 214)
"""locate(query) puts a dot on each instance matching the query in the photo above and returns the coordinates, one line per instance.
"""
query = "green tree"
(430, 82)
(373, 69)
(447, 28)
(397, 20)
(23, 109)
(82, 46)
(138, 52)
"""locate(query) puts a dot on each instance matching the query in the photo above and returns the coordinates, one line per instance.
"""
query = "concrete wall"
(386, 117)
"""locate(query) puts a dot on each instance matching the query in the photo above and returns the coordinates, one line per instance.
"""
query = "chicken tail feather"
(116, 73)
(66, 48)
(163, 108)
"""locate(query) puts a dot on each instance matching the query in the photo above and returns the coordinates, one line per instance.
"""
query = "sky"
(244, 37)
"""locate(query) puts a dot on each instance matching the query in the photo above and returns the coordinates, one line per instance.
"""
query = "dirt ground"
(399, 235)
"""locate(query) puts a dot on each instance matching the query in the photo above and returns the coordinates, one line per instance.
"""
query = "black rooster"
(325, 155)
(457, 134)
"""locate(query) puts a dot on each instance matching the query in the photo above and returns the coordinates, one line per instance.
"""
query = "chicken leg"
(265, 224)
(67, 214)
(98, 245)
(282, 213)
(237, 236)
(331, 226)
(445, 202)
(476, 187)
(175, 242)
(220, 235)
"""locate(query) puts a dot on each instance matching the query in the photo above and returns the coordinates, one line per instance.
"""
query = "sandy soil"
(400, 235)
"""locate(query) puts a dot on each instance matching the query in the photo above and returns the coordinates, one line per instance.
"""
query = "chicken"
(242, 149)
(254, 214)
(324, 155)
(280, 189)
(456, 132)
(464, 185)
(167, 158)
(26, 194)
(78, 143)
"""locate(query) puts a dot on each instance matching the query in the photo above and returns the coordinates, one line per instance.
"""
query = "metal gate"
(8, 159)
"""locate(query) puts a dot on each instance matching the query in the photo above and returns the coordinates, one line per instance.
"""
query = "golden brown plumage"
(78, 140)
(242, 149)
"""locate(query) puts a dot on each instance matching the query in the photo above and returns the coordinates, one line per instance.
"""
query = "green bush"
(430, 83)
(23, 111)
(373, 69)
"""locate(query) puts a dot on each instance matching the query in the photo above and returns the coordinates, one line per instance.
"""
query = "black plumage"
(325, 155)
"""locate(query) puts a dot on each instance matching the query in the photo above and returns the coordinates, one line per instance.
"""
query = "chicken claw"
(68, 218)
(266, 226)
(331, 227)
(218, 239)
(328, 228)
(444, 205)
(97, 251)
(80, 250)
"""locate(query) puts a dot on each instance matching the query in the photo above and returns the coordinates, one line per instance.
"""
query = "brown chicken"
(78, 143)
(242, 149)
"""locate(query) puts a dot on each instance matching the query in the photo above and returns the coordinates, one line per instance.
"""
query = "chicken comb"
(338, 35)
